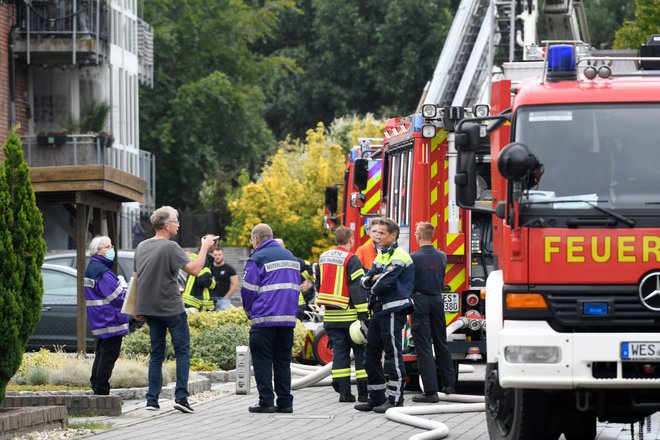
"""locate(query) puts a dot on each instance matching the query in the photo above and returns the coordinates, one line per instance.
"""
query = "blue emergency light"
(418, 122)
(561, 63)
(595, 308)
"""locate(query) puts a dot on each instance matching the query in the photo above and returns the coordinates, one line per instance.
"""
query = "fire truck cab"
(573, 309)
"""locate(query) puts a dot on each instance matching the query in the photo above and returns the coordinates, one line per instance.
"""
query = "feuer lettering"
(602, 249)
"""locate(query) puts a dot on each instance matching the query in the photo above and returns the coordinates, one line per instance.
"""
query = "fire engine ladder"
(566, 20)
(463, 49)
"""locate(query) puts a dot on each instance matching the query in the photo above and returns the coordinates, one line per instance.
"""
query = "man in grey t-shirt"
(157, 264)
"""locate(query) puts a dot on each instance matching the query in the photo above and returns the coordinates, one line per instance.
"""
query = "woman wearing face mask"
(104, 297)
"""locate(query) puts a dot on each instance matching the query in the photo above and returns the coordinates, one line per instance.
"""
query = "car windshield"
(604, 154)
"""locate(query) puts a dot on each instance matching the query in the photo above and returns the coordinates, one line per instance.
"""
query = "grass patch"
(12, 387)
(47, 371)
(92, 426)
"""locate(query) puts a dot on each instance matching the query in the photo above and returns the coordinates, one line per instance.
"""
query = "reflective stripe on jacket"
(395, 285)
(333, 292)
(103, 299)
(271, 286)
(339, 286)
(197, 292)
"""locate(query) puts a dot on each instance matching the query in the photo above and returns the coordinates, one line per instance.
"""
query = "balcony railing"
(89, 149)
(74, 26)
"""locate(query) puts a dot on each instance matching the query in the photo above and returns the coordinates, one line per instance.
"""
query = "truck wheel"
(322, 352)
(515, 414)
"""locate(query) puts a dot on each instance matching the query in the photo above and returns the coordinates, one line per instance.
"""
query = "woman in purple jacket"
(104, 296)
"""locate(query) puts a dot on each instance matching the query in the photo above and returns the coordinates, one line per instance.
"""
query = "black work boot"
(387, 405)
(363, 395)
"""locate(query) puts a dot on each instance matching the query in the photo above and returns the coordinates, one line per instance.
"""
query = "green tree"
(604, 17)
(289, 195)
(356, 57)
(22, 248)
(204, 113)
(636, 32)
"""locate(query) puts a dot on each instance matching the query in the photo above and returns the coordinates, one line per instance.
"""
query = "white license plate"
(452, 304)
(637, 351)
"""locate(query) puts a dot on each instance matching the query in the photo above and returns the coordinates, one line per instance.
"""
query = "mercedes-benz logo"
(649, 291)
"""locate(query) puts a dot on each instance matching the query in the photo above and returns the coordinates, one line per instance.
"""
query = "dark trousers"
(177, 325)
(429, 327)
(105, 356)
(271, 358)
(341, 360)
(385, 334)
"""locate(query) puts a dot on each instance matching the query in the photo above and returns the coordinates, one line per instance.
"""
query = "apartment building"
(72, 70)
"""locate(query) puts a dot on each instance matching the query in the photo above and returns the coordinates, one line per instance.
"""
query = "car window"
(58, 283)
(61, 261)
(125, 267)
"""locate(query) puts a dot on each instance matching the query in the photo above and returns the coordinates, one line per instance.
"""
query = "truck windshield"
(606, 154)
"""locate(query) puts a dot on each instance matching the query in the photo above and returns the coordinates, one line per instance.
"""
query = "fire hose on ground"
(318, 376)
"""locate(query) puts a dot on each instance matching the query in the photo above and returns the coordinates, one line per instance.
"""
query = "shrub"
(218, 345)
(299, 335)
(138, 344)
(22, 248)
(214, 326)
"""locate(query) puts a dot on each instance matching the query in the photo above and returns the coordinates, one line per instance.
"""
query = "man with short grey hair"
(157, 264)
(271, 285)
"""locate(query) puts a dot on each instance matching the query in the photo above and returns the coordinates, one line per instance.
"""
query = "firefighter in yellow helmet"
(196, 294)
(345, 302)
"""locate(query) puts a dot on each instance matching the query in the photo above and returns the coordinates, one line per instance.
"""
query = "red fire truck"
(361, 190)
(407, 178)
(573, 307)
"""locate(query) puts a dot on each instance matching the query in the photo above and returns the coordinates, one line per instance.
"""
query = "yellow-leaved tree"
(290, 194)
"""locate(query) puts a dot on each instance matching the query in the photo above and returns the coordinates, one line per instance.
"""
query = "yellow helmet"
(357, 333)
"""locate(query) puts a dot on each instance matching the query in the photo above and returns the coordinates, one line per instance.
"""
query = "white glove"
(122, 282)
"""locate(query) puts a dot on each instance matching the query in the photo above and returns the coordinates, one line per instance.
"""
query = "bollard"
(243, 369)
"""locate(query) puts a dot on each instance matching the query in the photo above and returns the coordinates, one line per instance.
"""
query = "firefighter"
(368, 251)
(196, 294)
(390, 281)
(345, 302)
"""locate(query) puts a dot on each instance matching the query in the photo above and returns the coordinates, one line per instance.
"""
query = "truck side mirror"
(466, 179)
(467, 137)
(517, 163)
(360, 174)
(331, 196)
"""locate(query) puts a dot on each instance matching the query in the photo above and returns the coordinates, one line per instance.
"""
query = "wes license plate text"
(640, 351)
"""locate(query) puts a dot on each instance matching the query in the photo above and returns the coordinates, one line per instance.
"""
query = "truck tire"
(322, 352)
(516, 414)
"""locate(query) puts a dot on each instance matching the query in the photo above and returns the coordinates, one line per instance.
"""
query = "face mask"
(110, 255)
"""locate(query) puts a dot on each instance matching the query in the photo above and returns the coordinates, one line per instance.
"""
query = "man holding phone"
(157, 264)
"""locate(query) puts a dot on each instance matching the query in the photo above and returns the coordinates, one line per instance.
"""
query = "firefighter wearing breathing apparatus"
(196, 294)
(390, 280)
(345, 302)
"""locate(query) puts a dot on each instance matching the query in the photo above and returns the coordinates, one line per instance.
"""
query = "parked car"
(125, 266)
(58, 325)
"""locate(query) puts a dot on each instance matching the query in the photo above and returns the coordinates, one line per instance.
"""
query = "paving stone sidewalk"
(317, 414)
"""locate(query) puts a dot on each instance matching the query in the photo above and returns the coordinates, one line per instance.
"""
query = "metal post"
(75, 28)
(512, 30)
(243, 364)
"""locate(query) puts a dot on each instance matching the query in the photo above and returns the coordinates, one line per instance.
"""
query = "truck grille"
(627, 314)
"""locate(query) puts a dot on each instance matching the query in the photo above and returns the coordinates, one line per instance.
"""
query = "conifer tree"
(22, 250)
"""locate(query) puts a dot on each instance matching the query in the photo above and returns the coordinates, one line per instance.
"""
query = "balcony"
(62, 31)
(84, 163)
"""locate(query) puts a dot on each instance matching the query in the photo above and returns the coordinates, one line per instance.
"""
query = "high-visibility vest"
(333, 291)
(191, 295)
